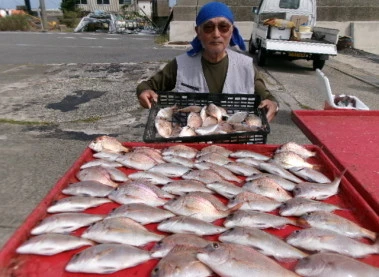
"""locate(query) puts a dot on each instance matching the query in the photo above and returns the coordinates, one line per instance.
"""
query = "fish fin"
(235, 207)
(301, 222)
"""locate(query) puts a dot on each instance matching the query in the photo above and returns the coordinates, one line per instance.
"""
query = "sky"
(49, 4)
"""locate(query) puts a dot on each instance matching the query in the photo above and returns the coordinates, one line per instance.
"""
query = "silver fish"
(65, 222)
(276, 169)
(214, 149)
(179, 160)
(242, 169)
(120, 230)
(117, 175)
(225, 189)
(141, 213)
(180, 150)
(189, 225)
(181, 187)
(317, 191)
(249, 154)
(314, 239)
(253, 120)
(206, 176)
(109, 156)
(298, 206)
(154, 153)
(181, 261)
(264, 242)
(51, 244)
(107, 144)
(267, 187)
(209, 130)
(164, 127)
(215, 158)
(297, 148)
(284, 183)
(96, 173)
(254, 201)
(88, 188)
(139, 191)
(161, 248)
(194, 120)
(221, 170)
(171, 170)
(189, 109)
(310, 174)
(336, 265)
(257, 219)
(229, 259)
(136, 160)
(76, 204)
(209, 121)
(336, 223)
(187, 131)
(167, 112)
(291, 159)
(214, 111)
(100, 162)
(249, 161)
(199, 205)
(154, 178)
(107, 258)
(237, 117)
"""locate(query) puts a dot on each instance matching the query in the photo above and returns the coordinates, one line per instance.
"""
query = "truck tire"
(262, 53)
(252, 48)
(317, 63)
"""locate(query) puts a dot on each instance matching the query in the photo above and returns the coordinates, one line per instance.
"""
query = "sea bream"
(180, 150)
(267, 187)
(87, 188)
(284, 183)
(181, 261)
(161, 248)
(310, 174)
(214, 149)
(96, 173)
(50, 244)
(170, 170)
(254, 201)
(65, 222)
(221, 170)
(189, 225)
(154, 178)
(179, 160)
(336, 265)
(249, 154)
(290, 159)
(314, 239)
(107, 258)
(206, 176)
(201, 205)
(264, 242)
(297, 148)
(298, 206)
(181, 187)
(274, 168)
(107, 144)
(137, 160)
(336, 223)
(141, 213)
(257, 219)
(76, 204)
(229, 259)
(120, 230)
(226, 189)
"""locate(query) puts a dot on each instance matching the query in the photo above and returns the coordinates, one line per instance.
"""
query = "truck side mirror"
(254, 10)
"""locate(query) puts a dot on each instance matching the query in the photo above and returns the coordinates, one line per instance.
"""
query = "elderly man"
(211, 65)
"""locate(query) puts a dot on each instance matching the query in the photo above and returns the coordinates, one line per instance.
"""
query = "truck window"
(289, 4)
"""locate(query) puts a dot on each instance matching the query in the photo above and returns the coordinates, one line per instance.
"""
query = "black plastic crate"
(232, 103)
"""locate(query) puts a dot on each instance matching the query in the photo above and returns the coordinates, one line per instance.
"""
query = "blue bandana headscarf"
(212, 10)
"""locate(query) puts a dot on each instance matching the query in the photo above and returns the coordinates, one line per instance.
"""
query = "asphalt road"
(59, 91)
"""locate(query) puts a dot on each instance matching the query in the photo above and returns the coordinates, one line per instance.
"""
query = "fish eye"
(215, 245)
(296, 232)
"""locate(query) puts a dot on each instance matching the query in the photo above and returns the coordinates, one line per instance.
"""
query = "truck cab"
(288, 28)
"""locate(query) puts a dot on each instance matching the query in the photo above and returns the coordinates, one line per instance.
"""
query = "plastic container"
(305, 29)
(354, 206)
(280, 33)
(231, 102)
(332, 101)
(304, 35)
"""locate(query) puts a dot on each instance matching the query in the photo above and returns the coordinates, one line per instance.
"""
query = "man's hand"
(271, 108)
(147, 97)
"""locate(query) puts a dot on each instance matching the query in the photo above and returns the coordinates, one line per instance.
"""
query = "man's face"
(215, 34)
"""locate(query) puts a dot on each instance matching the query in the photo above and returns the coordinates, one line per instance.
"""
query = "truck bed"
(303, 46)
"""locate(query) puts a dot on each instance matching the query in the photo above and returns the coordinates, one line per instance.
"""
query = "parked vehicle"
(288, 28)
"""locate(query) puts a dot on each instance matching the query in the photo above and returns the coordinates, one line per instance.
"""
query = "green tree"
(68, 5)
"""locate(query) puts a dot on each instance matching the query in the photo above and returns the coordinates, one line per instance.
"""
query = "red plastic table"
(351, 140)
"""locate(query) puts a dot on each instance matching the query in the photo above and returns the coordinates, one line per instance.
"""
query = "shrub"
(15, 23)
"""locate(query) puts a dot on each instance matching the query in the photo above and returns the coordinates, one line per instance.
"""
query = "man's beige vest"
(239, 77)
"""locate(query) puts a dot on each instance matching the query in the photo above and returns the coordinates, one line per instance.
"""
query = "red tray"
(13, 264)
(350, 139)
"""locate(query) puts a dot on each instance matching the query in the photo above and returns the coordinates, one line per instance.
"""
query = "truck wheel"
(262, 53)
(252, 48)
(317, 63)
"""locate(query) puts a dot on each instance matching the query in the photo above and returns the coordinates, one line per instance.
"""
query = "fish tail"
(372, 236)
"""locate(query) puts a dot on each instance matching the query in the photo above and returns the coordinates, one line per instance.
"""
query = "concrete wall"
(357, 19)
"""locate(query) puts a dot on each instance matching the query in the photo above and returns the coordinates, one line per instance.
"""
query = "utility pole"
(43, 15)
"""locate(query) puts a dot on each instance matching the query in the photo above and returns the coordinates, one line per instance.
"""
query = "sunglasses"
(210, 27)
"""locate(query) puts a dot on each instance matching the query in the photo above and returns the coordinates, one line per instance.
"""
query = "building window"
(83, 2)
(289, 4)
(125, 2)
(103, 2)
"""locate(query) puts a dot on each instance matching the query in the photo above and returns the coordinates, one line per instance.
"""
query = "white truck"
(288, 28)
